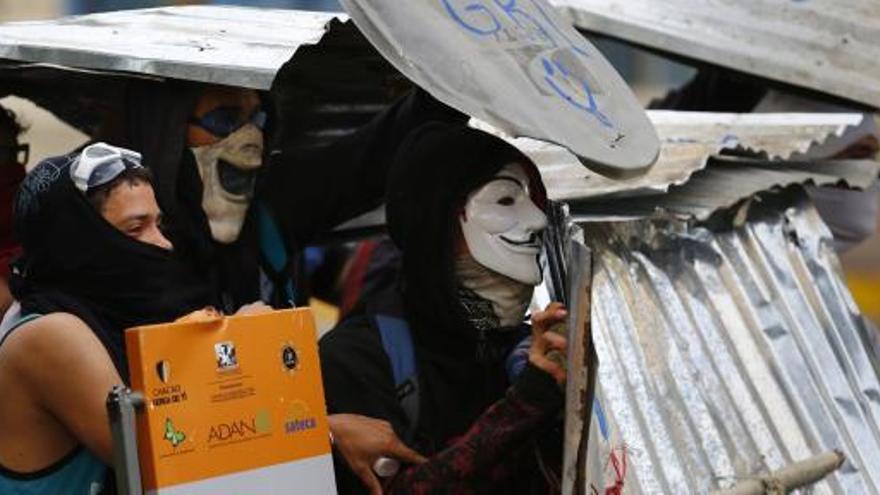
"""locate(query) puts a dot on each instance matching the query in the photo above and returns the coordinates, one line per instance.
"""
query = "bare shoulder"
(53, 342)
(49, 331)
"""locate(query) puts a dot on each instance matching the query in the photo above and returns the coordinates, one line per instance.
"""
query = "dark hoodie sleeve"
(491, 449)
(310, 191)
(357, 380)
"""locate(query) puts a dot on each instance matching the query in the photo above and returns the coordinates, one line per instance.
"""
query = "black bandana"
(76, 262)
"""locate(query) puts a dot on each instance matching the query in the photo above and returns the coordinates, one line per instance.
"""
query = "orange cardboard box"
(233, 405)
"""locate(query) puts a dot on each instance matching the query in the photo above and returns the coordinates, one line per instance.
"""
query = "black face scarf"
(76, 262)
(434, 171)
(156, 116)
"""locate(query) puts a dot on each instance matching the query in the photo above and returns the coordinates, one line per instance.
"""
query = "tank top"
(77, 473)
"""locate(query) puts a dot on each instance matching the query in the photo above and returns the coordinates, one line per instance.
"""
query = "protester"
(95, 263)
(241, 214)
(13, 158)
(428, 354)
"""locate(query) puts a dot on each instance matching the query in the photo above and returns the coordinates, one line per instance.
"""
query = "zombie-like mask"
(228, 157)
(502, 226)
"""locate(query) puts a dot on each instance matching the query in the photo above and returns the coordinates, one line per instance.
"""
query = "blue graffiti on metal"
(490, 18)
(553, 69)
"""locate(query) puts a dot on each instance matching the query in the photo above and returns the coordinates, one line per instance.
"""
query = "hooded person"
(240, 212)
(94, 264)
(428, 354)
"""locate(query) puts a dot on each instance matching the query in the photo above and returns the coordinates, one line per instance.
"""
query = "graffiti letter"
(558, 77)
(474, 8)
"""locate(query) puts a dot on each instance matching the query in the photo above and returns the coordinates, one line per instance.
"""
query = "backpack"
(398, 345)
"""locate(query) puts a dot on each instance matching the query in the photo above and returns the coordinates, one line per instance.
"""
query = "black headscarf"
(76, 262)
(155, 119)
(435, 169)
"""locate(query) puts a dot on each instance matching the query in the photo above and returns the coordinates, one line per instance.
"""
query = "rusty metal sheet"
(688, 140)
(519, 67)
(236, 46)
(824, 45)
(727, 351)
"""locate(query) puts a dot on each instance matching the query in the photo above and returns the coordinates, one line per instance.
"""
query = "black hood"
(435, 169)
(76, 262)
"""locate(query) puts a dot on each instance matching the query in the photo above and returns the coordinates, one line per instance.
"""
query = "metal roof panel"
(725, 352)
(825, 45)
(237, 46)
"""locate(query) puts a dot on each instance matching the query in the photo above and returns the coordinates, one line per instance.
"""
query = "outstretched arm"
(312, 190)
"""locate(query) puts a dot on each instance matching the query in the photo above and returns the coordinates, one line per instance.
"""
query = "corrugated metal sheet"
(728, 180)
(237, 46)
(825, 45)
(728, 352)
(688, 139)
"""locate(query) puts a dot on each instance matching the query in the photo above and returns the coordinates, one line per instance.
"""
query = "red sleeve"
(488, 452)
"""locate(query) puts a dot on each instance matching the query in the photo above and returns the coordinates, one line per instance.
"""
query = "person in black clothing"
(239, 215)
(95, 262)
(466, 210)
(239, 211)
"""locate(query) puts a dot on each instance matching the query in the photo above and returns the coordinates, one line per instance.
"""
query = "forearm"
(474, 460)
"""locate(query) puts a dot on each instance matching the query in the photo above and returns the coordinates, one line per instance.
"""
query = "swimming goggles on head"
(100, 163)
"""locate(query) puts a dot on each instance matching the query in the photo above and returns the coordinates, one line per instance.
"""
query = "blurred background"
(649, 75)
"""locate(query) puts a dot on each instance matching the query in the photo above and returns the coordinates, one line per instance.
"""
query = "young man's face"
(132, 209)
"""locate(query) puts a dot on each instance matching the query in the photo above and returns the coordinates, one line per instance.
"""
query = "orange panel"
(226, 395)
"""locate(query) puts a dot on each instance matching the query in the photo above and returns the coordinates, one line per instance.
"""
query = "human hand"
(254, 308)
(545, 342)
(362, 440)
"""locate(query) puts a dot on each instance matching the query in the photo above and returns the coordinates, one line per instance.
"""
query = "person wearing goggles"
(95, 262)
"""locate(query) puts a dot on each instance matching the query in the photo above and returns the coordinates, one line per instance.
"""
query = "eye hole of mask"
(223, 121)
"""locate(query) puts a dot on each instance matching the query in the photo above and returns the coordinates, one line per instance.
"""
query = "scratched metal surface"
(723, 183)
(520, 67)
(238, 46)
(727, 181)
(688, 140)
(825, 45)
(727, 352)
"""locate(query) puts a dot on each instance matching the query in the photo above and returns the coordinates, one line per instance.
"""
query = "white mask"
(502, 226)
(228, 171)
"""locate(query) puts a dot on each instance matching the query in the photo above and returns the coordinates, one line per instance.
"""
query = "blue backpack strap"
(276, 261)
(398, 345)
